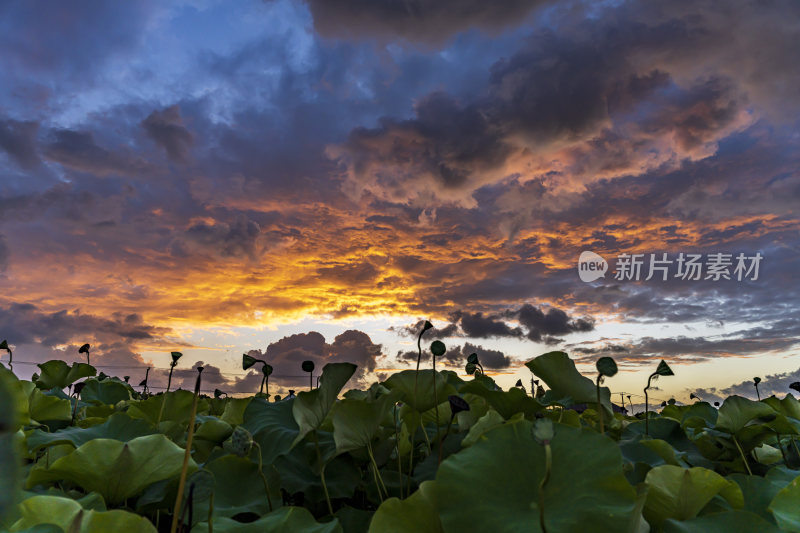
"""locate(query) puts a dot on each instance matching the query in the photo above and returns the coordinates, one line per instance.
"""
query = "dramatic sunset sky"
(311, 178)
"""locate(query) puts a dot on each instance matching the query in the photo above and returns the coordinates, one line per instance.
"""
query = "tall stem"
(164, 399)
(548, 462)
(435, 401)
(263, 477)
(322, 473)
(600, 407)
(741, 452)
(397, 450)
(187, 454)
(378, 478)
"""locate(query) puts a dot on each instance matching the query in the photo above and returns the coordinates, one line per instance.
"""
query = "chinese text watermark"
(664, 266)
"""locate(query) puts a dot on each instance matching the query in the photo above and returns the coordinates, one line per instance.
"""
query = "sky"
(311, 179)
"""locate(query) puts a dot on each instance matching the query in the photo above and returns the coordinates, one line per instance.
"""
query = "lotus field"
(423, 451)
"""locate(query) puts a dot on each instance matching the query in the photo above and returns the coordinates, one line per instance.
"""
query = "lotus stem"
(446, 433)
(322, 473)
(397, 450)
(548, 462)
(425, 434)
(376, 473)
(211, 513)
(164, 399)
(436, 403)
(261, 473)
(187, 454)
(780, 447)
(741, 452)
(599, 406)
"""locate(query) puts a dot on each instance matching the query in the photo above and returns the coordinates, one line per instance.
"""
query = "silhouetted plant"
(308, 366)
(189, 436)
(662, 370)
(266, 370)
(4, 346)
(143, 383)
(425, 327)
(473, 365)
(543, 433)
(175, 357)
(756, 381)
(85, 349)
(606, 368)
(437, 350)
(795, 386)
(457, 405)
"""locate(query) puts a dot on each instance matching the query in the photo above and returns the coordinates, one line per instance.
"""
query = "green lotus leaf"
(354, 520)
(606, 366)
(248, 361)
(355, 422)
(490, 420)
(682, 413)
(272, 425)
(724, 522)
(586, 468)
(283, 520)
(681, 493)
(758, 493)
(117, 470)
(177, 407)
(176, 356)
(507, 403)
(9, 460)
(213, 429)
(417, 513)
(737, 412)
(470, 368)
(234, 410)
(119, 426)
(559, 372)
(57, 374)
(106, 392)
(404, 382)
(788, 406)
(238, 488)
(70, 516)
(46, 409)
(472, 358)
(299, 469)
(784, 506)
(311, 407)
(15, 398)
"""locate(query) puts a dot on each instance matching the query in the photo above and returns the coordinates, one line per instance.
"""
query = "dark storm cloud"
(457, 356)
(562, 87)
(553, 323)
(167, 130)
(425, 21)
(535, 324)
(18, 140)
(287, 354)
(79, 151)
(25, 323)
(242, 237)
(478, 326)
